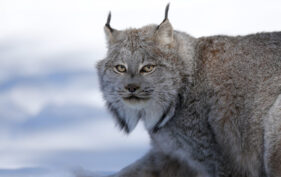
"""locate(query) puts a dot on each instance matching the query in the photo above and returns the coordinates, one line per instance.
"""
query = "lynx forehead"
(211, 105)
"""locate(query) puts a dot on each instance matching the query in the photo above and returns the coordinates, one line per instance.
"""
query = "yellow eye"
(120, 68)
(147, 69)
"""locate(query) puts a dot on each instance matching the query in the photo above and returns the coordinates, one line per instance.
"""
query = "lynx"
(211, 105)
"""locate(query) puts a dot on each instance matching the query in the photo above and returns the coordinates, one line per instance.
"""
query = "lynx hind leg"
(272, 139)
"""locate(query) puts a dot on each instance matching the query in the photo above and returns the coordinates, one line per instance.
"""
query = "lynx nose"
(132, 87)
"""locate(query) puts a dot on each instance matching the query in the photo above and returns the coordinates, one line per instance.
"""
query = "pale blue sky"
(51, 110)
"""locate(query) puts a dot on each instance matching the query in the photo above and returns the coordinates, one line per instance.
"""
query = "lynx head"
(140, 77)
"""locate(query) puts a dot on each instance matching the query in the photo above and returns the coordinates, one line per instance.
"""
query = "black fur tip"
(108, 22)
(166, 11)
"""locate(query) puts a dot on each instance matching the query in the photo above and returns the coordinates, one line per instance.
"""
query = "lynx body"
(211, 105)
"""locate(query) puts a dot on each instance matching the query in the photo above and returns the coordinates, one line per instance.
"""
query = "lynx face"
(137, 77)
(140, 75)
(133, 76)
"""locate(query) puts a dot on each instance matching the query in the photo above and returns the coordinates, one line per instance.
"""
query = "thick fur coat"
(211, 105)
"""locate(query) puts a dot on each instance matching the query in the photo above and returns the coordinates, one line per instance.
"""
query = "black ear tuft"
(166, 11)
(108, 22)
(166, 14)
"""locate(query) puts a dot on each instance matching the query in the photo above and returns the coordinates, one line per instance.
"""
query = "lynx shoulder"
(211, 105)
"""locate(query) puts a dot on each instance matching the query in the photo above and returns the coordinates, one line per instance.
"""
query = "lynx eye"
(147, 69)
(120, 68)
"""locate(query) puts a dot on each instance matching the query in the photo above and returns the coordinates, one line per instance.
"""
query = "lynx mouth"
(135, 99)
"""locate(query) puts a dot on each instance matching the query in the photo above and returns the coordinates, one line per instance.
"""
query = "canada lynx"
(211, 105)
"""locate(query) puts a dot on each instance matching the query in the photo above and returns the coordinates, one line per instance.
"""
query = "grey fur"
(212, 106)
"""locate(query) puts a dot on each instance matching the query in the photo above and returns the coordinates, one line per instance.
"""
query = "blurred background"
(52, 115)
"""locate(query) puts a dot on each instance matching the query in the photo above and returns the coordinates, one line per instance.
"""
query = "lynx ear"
(164, 31)
(110, 33)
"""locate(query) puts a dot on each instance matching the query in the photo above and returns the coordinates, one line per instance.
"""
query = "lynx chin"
(211, 105)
